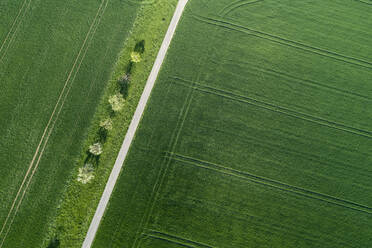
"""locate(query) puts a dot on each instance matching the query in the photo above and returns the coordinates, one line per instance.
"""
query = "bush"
(96, 149)
(124, 79)
(123, 83)
(135, 57)
(106, 124)
(86, 173)
(117, 102)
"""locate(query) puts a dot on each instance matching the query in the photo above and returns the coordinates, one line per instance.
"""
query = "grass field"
(258, 132)
(55, 60)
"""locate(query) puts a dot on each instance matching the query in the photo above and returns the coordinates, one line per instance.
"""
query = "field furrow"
(178, 240)
(274, 184)
(235, 5)
(286, 42)
(279, 109)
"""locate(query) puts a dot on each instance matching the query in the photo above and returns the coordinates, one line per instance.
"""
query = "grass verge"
(77, 208)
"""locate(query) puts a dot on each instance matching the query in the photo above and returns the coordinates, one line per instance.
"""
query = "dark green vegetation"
(55, 60)
(258, 132)
(80, 201)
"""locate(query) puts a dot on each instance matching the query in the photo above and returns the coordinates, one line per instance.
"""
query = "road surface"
(89, 238)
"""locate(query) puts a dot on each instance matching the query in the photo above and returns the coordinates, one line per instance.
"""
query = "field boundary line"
(272, 183)
(237, 4)
(133, 126)
(15, 31)
(175, 239)
(51, 118)
(279, 109)
(283, 41)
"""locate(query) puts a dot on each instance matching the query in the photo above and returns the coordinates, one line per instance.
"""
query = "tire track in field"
(283, 41)
(43, 141)
(175, 239)
(141, 2)
(163, 172)
(50, 131)
(360, 171)
(262, 224)
(13, 24)
(364, 2)
(271, 183)
(302, 81)
(172, 144)
(11, 34)
(235, 5)
(281, 110)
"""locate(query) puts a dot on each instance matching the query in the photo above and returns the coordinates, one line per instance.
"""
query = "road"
(133, 126)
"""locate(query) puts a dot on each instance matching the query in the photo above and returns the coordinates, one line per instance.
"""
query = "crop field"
(55, 60)
(258, 132)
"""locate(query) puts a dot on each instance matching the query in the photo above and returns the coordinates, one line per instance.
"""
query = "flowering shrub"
(96, 149)
(106, 124)
(135, 57)
(86, 173)
(117, 102)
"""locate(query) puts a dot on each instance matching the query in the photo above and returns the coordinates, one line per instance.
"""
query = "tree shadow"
(102, 133)
(140, 46)
(124, 88)
(129, 67)
(54, 243)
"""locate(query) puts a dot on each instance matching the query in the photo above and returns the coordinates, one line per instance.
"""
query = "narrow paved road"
(133, 126)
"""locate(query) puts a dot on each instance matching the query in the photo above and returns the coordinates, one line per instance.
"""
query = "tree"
(123, 83)
(106, 124)
(96, 149)
(117, 102)
(135, 57)
(124, 79)
(86, 173)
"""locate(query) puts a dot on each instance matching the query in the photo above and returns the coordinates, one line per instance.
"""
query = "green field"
(55, 60)
(258, 132)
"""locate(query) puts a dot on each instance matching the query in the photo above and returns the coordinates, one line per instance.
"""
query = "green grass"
(80, 201)
(257, 134)
(34, 65)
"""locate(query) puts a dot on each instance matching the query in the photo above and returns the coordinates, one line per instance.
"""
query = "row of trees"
(117, 102)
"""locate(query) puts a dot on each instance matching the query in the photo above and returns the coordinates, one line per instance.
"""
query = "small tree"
(106, 124)
(135, 57)
(124, 79)
(117, 102)
(96, 149)
(86, 173)
(123, 83)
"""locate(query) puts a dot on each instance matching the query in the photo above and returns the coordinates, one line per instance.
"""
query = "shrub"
(135, 57)
(106, 124)
(96, 149)
(124, 79)
(123, 83)
(86, 173)
(117, 102)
